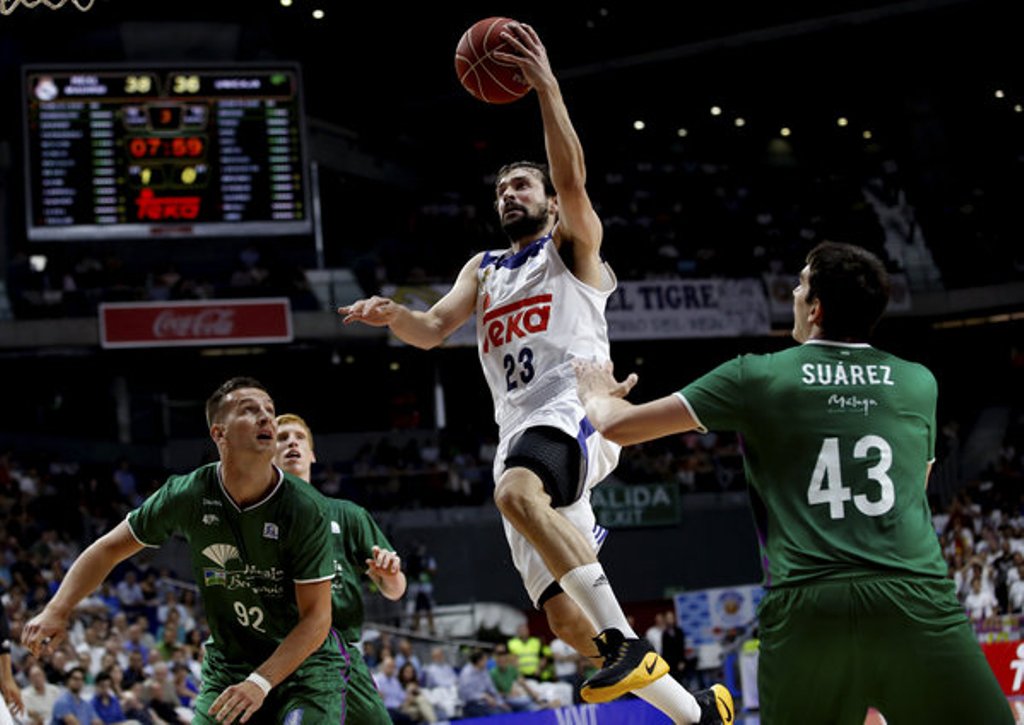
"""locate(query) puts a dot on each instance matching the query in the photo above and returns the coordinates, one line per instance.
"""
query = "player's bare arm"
(45, 631)
(240, 701)
(385, 570)
(578, 223)
(9, 687)
(424, 330)
(619, 420)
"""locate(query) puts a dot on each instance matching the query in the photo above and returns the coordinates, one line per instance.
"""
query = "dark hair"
(540, 169)
(852, 286)
(477, 655)
(72, 671)
(215, 401)
(401, 672)
(103, 677)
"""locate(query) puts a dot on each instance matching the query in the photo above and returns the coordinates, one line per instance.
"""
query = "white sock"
(672, 699)
(590, 589)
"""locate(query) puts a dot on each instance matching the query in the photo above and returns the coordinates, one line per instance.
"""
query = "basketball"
(480, 74)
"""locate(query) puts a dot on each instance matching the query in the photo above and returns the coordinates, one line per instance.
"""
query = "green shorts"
(363, 703)
(312, 695)
(830, 650)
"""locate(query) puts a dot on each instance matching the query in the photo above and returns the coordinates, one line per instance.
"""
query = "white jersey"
(533, 316)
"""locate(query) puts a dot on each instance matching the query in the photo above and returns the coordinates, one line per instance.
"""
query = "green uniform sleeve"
(933, 393)
(717, 398)
(361, 530)
(160, 515)
(312, 556)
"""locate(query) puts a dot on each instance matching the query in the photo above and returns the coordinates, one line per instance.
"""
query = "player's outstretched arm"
(619, 420)
(385, 570)
(240, 701)
(577, 219)
(424, 330)
(48, 628)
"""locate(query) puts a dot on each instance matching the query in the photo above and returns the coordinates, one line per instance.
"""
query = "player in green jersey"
(838, 440)
(359, 547)
(261, 556)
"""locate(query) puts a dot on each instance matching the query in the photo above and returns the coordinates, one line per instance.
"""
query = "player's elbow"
(618, 427)
(570, 176)
(435, 339)
(315, 621)
(431, 333)
(318, 623)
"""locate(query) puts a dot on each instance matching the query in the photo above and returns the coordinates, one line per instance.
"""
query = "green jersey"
(837, 439)
(246, 561)
(354, 533)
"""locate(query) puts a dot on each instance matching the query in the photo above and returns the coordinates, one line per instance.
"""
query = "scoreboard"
(116, 152)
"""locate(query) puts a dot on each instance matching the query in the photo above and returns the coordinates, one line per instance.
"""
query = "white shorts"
(601, 457)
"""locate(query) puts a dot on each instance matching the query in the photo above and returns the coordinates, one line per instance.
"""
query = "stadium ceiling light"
(1000, 94)
(785, 131)
(318, 14)
(740, 122)
(639, 125)
(286, 3)
(716, 110)
(867, 135)
(842, 121)
(1018, 108)
(682, 133)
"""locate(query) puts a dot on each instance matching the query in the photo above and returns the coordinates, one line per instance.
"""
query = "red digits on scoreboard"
(154, 147)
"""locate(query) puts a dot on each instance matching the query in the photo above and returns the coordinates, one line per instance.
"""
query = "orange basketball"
(478, 71)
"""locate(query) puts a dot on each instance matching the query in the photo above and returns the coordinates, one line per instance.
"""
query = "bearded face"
(519, 222)
(524, 208)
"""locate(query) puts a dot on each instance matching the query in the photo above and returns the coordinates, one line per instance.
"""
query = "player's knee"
(519, 495)
(510, 502)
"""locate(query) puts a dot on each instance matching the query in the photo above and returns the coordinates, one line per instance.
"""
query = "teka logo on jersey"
(516, 320)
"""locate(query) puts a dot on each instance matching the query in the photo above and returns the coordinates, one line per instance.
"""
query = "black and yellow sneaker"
(629, 664)
(716, 706)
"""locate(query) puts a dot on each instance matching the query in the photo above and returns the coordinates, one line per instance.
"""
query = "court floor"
(1016, 704)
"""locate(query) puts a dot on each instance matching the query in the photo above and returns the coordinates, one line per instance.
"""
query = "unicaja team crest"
(221, 554)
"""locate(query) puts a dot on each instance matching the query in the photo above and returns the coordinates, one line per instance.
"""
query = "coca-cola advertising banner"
(209, 322)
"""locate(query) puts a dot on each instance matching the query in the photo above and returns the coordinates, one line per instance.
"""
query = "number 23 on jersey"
(518, 368)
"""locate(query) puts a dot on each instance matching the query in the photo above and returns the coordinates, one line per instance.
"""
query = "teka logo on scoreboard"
(216, 322)
(516, 320)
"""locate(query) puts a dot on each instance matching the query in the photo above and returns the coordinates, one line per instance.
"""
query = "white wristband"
(260, 681)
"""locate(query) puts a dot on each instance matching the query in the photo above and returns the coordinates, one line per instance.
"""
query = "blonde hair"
(292, 418)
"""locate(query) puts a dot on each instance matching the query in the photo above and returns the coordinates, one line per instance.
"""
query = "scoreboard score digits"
(114, 152)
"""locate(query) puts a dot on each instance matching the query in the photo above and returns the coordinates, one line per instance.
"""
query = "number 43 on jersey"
(827, 487)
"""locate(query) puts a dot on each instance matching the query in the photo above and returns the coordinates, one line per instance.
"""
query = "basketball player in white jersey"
(539, 304)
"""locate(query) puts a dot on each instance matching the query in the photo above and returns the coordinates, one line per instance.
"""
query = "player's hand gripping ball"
(478, 71)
